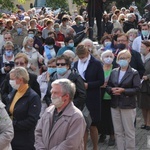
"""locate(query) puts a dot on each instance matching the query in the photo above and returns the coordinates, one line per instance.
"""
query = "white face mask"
(83, 60)
(14, 85)
(108, 60)
(57, 101)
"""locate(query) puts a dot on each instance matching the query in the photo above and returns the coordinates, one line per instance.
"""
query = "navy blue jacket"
(25, 117)
(94, 76)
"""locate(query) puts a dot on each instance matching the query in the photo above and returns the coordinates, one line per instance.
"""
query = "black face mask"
(121, 46)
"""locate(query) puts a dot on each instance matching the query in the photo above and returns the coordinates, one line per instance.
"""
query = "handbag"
(87, 116)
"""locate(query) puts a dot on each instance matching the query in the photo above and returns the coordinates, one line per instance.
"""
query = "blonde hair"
(26, 40)
(20, 72)
(124, 52)
(8, 43)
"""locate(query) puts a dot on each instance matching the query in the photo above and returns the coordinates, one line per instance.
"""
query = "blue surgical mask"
(145, 32)
(123, 63)
(49, 46)
(30, 35)
(51, 70)
(8, 53)
(71, 45)
(61, 71)
(19, 30)
(56, 29)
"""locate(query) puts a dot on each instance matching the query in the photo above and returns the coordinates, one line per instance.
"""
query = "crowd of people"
(50, 71)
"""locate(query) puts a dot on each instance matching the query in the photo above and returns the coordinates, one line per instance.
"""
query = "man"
(92, 73)
(62, 126)
(20, 60)
(136, 61)
(145, 35)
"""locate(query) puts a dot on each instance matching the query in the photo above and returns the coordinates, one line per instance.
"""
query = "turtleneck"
(20, 92)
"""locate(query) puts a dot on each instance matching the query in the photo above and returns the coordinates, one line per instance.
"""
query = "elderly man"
(62, 126)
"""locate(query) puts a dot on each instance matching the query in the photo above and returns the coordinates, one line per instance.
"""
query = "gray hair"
(105, 53)
(87, 40)
(135, 31)
(20, 72)
(69, 53)
(67, 87)
(26, 40)
(8, 43)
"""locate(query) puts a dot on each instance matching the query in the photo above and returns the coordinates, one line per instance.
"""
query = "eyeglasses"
(7, 38)
(62, 64)
(19, 63)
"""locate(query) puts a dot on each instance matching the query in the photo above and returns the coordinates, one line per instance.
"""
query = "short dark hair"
(66, 58)
(49, 41)
(67, 39)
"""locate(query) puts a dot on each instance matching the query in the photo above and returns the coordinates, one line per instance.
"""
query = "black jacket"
(6, 87)
(25, 116)
(80, 95)
(130, 82)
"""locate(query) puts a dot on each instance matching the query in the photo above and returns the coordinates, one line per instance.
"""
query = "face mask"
(121, 46)
(71, 45)
(29, 47)
(61, 71)
(31, 35)
(107, 44)
(9, 53)
(131, 39)
(57, 101)
(108, 60)
(114, 21)
(49, 46)
(51, 70)
(14, 85)
(19, 30)
(84, 60)
(142, 51)
(145, 32)
(90, 49)
(57, 29)
(123, 63)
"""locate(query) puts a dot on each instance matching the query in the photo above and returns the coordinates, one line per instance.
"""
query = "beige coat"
(66, 134)
(6, 129)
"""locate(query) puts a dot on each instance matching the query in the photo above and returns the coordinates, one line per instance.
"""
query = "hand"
(104, 85)
(33, 68)
(86, 29)
(86, 85)
(117, 90)
(41, 60)
(36, 46)
(145, 77)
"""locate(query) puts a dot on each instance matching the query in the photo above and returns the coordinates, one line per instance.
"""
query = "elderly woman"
(132, 34)
(6, 60)
(106, 125)
(144, 103)
(43, 80)
(6, 129)
(34, 56)
(24, 109)
(89, 44)
(123, 85)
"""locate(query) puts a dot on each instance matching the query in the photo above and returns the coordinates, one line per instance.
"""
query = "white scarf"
(83, 66)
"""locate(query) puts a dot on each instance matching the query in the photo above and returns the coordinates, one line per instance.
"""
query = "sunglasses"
(62, 64)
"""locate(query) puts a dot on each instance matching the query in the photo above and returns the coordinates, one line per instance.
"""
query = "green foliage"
(79, 2)
(6, 4)
(54, 4)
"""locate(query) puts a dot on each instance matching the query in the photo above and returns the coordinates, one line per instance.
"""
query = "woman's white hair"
(105, 53)
(87, 40)
(26, 39)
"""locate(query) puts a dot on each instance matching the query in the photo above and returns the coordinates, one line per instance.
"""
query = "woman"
(24, 109)
(144, 103)
(123, 85)
(69, 45)
(63, 71)
(34, 56)
(106, 125)
(49, 49)
(43, 80)
(6, 60)
(6, 129)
